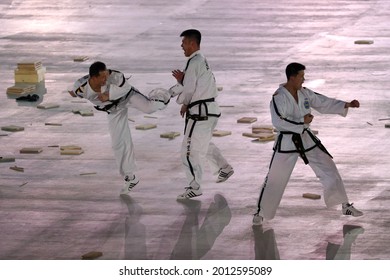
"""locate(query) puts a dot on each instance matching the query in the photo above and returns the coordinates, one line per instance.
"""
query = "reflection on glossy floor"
(50, 211)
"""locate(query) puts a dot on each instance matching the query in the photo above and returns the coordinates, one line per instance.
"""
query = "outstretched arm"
(353, 104)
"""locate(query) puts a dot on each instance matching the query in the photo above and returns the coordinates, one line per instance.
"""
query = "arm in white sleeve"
(189, 84)
(117, 85)
(326, 105)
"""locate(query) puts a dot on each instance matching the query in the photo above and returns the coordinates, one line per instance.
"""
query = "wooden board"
(170, 135)
(54, 124)
(48, 106)
(84, 112)
(16, 168)
(145, 126)
(71, 152)
(220, 133)
(311, 196)
(262, 129)
(80, 58)
(7, 159)
(91, 255)
(12, 128)
(364, 42)
(31, 150)
(70, 147)
(247, 120)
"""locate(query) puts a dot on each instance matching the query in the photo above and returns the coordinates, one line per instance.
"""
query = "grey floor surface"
(51, 211)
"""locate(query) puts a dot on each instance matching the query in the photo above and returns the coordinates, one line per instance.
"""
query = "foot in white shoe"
(225, 173)
(129, 184)
(349, 210)
(190, 193)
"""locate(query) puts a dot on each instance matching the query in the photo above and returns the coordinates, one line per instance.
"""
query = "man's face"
(299, 79)
(187, 46)
(101, 80)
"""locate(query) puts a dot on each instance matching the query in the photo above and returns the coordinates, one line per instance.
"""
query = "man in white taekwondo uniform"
(291, 115)
(197, 93)
(110, 91)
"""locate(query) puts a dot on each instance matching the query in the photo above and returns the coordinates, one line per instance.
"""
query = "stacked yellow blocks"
(29, 77)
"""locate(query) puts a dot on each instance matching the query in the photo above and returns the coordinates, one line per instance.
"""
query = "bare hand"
(183, 110)
(308, 118)
(179, 75)
(353, 104)
(103, 97)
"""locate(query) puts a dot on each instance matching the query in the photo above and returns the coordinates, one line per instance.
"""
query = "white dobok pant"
(121, 140)
(197, 148)
(281, 167)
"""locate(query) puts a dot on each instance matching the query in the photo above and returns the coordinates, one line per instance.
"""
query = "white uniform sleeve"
(189, 84)
(326, 105)
(280, 115)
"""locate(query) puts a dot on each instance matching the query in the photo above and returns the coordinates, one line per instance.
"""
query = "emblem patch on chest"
(306, 103)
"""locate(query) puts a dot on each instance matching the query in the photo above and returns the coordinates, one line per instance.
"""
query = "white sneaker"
(190, 193)
(257, 219)
(176, 90)
(349, 210)
(129, 184)
(225, 173)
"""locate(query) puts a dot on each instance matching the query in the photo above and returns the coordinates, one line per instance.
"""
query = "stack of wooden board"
(261, 133)
(20, 90)
(29, 72)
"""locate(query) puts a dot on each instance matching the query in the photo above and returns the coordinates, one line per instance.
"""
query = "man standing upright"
(197, 92)
(291, 107)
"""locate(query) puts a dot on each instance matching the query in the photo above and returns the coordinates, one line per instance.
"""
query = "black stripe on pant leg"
(189, 149)
(265, 184)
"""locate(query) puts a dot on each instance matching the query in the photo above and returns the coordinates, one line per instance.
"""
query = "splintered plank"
(145, 126)
(170, 135)
(247, 120)
(84, 113)
(80, 58)
(16, 168)
(364, 42)
(53, 124)
(31, 150)
(48, 106)
(311, 196)
(7, 159)
(220, 133)
(262, 129)
(12, 128)
(71, 152)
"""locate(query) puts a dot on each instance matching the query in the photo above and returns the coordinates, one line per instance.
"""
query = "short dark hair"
(293, 68)
(96, 68)
(192, 34)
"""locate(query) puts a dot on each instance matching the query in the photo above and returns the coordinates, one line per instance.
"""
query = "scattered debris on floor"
(71, 150)
(31, 150)
(16, 168)
(7, 159)
(91, 255)
(53, 124)
(145, 126)
(311, 196)
(12, 128)
(80, 58)
(88, 173)
(364, 42)
(48, 106)
(247, 120)
(170, 135)
(220, 133)
(84, 112)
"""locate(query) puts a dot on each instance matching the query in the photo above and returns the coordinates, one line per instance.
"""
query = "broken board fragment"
(80, 58)
(170, 135)
(84, 113)
(54, 124)
(31, 150)
(145, 126)
(387, 125)
(16, 168)
(247, 120)
(48, 106)
(71, 150)
(220, 133)
(364, 42)
(91, 255)
(311, 196)
(12, 128)
(88, 173)
(262, 129)
(7, 159)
